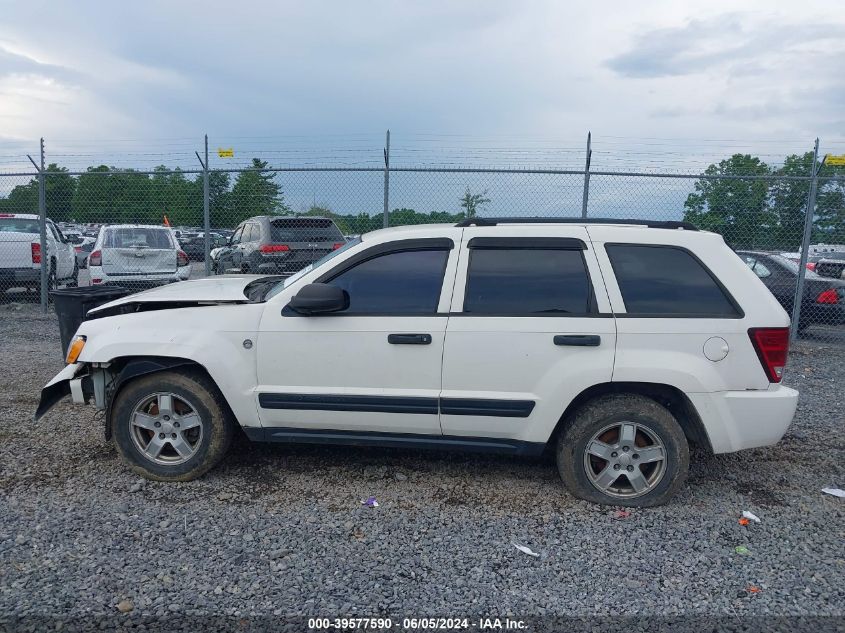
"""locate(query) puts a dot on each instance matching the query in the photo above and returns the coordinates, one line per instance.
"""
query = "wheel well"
(128, 369)
(670, 397)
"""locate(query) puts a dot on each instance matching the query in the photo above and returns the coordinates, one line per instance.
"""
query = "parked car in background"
(831, 265)
(82, 251)
(194, 247)
(823, 301)
(279, 245)
(21, 257)
(137, 256)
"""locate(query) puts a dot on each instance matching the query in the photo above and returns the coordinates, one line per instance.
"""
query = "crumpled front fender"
(56, 389)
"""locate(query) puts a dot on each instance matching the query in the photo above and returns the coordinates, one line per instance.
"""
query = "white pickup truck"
(21, 256)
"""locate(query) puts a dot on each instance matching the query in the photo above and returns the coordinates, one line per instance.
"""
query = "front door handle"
(409, 339)
(580, 340)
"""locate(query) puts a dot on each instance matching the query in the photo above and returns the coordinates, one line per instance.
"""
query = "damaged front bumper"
(80, 381)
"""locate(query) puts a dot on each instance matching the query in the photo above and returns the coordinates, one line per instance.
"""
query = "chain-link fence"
(142, 228)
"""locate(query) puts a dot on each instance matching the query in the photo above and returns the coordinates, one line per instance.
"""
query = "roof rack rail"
(653, 224)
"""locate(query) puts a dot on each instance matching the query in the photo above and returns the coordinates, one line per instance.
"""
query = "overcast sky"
(484, 78)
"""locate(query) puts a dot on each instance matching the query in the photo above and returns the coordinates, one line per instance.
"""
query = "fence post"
(386, 179)
(42, 226)
(805, 244)
(206, 212)
(206, 247)
(586, 178)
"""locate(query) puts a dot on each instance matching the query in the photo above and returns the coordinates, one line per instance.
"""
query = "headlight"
(75, 349)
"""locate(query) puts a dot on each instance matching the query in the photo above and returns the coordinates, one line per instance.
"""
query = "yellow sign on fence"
(830, 159)
(226, 153)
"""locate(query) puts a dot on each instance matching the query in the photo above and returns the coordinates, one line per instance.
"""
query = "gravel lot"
(280, 530)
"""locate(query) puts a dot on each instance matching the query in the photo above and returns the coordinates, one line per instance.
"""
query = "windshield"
(19, 225)
(320, 262)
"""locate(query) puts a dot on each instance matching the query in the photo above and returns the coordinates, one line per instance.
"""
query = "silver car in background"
(137, 256)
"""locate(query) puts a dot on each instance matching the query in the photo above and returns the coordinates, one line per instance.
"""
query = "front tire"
(623, 449)
(172, 425)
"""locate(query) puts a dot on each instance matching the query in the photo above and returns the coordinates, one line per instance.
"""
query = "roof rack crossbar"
(654, 224)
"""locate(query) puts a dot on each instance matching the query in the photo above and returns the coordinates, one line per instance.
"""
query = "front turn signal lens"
(75, 349)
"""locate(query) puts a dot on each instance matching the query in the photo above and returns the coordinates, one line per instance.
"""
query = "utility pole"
(386, 179)
(586, 178)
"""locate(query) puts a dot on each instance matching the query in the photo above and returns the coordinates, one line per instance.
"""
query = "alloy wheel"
(625, 459)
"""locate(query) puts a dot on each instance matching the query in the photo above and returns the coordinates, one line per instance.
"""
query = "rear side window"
(527, 281)
(305, 230)
(666, 280)
(403, 282)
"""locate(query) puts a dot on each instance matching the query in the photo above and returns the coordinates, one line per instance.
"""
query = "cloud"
(741, 41)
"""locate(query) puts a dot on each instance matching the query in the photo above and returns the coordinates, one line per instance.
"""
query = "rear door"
(227, 257)
(530, 327)
(138, 251)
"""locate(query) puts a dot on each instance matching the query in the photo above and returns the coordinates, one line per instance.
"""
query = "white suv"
(137, 256)
(614, 343)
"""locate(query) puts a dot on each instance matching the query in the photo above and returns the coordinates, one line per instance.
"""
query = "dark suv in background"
(276, 245)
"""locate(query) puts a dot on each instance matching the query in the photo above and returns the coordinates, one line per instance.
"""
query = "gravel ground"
(281, 530)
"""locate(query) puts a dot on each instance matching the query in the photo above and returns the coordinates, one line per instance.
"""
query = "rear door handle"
(409, 339)
(580, 340)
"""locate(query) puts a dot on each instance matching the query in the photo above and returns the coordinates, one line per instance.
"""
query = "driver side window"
(402, 282)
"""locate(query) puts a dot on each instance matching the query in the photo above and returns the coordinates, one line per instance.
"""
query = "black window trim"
(379, 250)
(740, 313)
(527, 243)
(531, 243)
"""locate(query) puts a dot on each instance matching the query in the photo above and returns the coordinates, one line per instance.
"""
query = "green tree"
(789, 200)
(256, 193)
(473, 202)
(175, 196)
(105, 195)
(22, 199)
(59, 188)
(738, 208)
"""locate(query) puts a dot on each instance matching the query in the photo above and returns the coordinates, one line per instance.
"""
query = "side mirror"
(319, 299)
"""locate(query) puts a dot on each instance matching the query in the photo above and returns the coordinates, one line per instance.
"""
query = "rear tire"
(172, 425)
(623, 449)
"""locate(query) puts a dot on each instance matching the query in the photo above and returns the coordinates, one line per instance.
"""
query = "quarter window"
(403, 282)
(527, 281)
(665, 280)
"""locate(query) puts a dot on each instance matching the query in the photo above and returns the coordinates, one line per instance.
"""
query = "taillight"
(36, 252)
(96, 281)
(95, 258)
(772, 346)
(274, 248)
(78, 249)
(182, 258)
(338, 245)
(811, 266)
(828, 296)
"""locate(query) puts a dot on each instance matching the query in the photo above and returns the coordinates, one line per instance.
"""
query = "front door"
(372, 369)
(530, 328)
